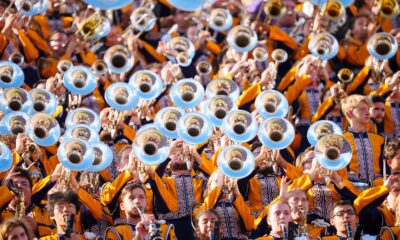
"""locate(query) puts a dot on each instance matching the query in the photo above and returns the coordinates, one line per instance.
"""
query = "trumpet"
(303, 229)
(203, 68)
(260, 54)
(95, 26)
(324, 46)
(16, 58)
(20, 208)
(118, 59)
(389, 8)
(185, 49)
(279, 56)
(242, 39)
(333, 9)
(220, 19)
(63, 66)
(275, 9)
(100, 68)
(345, 76)
(143, 19)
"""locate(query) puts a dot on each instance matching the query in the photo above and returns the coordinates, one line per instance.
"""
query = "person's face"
(394, 163)
(124, 160)
(298, 205)
(360, 114)
(132, 200)
(360, 28)
(58, 43)
(377, 111)
(114, 37)
(192, 33)
(307, 160)
(17, 233)
(22, 184)
(394, 191)
(61, 211)
(206, 224)
(342, 215)
(279, 215)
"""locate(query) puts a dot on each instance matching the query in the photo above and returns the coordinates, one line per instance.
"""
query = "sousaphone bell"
(143, 19)
(321, 128)
(324, 46)
(118, 59)
(11, 75)
(217, 108)
(240, 126)
(194, 128)
(15, 100)
(242, 39)
(83, 116)
(382, 46)
(43, 101)
(6, 158)
(184, 48)
(271, 103)
(121, 96)
(220, 19)
(80, 80)
(276, 133)
(44, 129)
(75, 154)
(333, 152)
(236, 162)
(224, 87)
(82, 131)
(187, 93)
(150, 146)
(103, 157)
(108, 4)
(148, 84)
(16, 122)
(166, 121)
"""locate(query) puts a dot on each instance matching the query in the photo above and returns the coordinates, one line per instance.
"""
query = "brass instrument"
(260, 54)
(65, 180)
(89, 26)
(303, 228)
(275, 9)
(388, 8)
(333, 9)
(20, 208)
(6, 74)
(279, 56)
(114, 116)
(100, 68)
(62, 68)
(203, 68)
(345, 76)
(16, 58)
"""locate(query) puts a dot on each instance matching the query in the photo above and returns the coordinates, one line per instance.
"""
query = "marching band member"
(206, 224)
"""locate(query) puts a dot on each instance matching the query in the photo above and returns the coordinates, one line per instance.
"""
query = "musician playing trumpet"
(137, 225)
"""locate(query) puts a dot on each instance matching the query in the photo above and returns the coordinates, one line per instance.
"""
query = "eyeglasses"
(342, 213)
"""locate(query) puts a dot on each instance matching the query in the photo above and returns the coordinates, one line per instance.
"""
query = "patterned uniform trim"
(323, 200)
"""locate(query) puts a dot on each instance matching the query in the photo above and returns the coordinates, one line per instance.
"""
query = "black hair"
(62, 197)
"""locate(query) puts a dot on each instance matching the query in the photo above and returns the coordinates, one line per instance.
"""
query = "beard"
(105, 136)
(178, 165)
(265, 170)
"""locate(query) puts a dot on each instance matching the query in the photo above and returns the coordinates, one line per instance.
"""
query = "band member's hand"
(320, 223)
(57, 173)
(283, 193)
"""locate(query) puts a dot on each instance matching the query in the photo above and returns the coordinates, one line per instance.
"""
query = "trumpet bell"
(100, 68)
(203, 68)
(240, 126)
(276, 133)
(333, 152)
(185, 49)
(31, 8)
(15, 100)
(75, 154)
(389, 8)
(194, 128)
(103, 157)
(6, 158)
(260, 54)
(151, 146)
(187, 93)
(43, 101)
(242, 39)
(275, 9)
(236, 162)
(279, 55)
(148, 85)
(16, 58)
(82, 131)
(143, 19)
(382, 46)
(121, 96)
(345, 75)
(223, 86)
(83, 116)
(80, 80)
(191, 6)
(166, 121)
(323, 46)
(118, 59)
(271, 104)
(16, 122)
(44, 129)
(333, 9)
(320, 128)
(64, 65)
(11, 75)
(108, 4)
(220, 19)
(217, 108)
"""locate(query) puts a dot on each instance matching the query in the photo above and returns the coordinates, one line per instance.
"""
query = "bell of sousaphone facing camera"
(80, 80)
(143, 19)
(6, 158)
(121, 96)
(220, 19)
(321, 128)
(236, 162)
(324, 46)
(276, 133)
(148, 84)
(223, 86)
(83, 116)
(333, 152)
(44, 129)
(382, 46)
(11, 75)
(150, 145)
(15, 100)
(166, 121)
(118, 59)
(242, 39)
(75, 154)
(43, 101)
(240, 126)
(194, 128)
(271, 103)
(187, 93)
(82, 131)
(16, 122)
(103, 157)
(217, 108)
